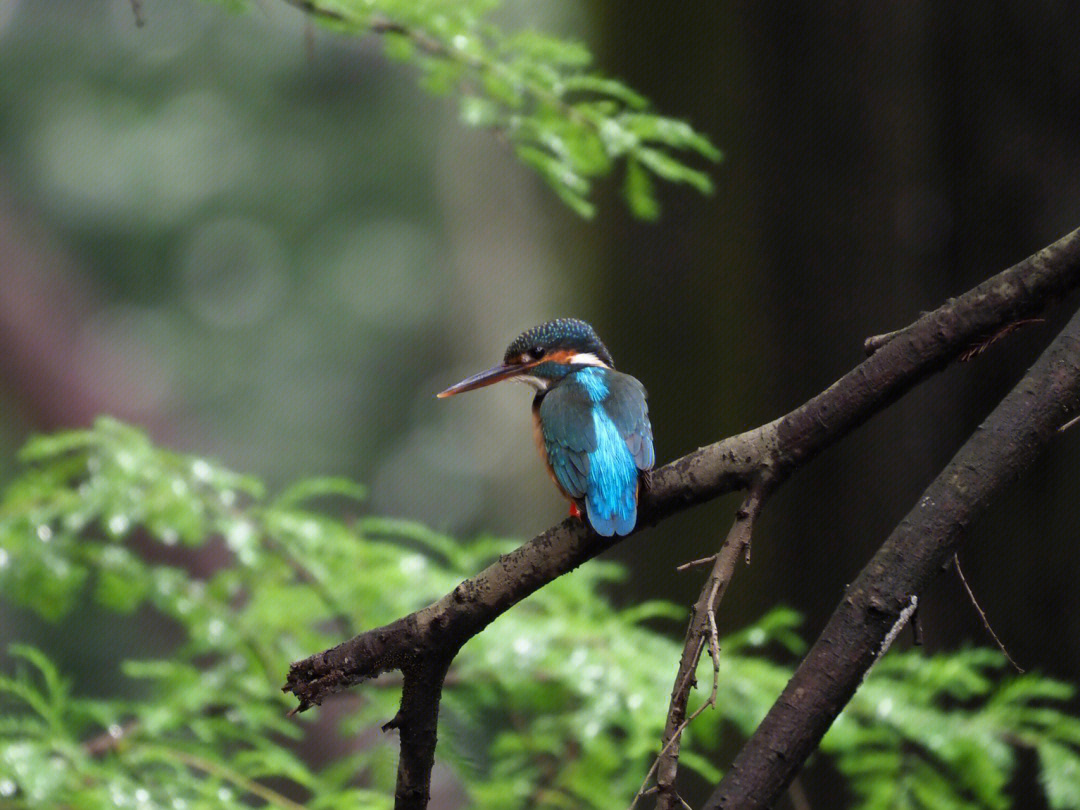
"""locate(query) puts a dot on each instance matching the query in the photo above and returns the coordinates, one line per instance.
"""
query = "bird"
(591, 422)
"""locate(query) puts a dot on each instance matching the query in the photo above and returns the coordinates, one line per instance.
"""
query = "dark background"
(879, 161)
(266, 244)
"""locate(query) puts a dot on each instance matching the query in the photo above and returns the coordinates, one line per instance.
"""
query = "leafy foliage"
(942, 732)
(568, 122)
(564, 689)
(560, 703)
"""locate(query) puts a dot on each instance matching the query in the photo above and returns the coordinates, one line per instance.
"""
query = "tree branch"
(701, 632)
(434, 634)
(417, 721)
(855, 637)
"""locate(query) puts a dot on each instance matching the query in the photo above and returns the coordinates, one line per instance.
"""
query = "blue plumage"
(592, 421)
(592, 380)
(597, 436)
(611, 499)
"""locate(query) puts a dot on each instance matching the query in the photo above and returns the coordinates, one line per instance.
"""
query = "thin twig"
(982, 614)
(1069, 424)
(648, 791)
(872, 344)
(700, 633)
(110, 739)
(981, 346)
(315, 10)
(695, 563)
(714, 653)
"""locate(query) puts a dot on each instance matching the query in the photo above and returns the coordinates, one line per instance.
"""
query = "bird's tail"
(620, 520)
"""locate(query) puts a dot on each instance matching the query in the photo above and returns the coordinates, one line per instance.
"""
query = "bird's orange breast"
(541, 448)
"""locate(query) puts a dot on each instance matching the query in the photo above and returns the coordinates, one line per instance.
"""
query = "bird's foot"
(574, 511)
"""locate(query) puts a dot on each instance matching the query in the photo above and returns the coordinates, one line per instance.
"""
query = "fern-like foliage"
(943, 732)
(560, 703)
(540, 93)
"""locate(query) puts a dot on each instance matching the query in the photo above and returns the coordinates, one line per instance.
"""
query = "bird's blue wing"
(597, 436)
(566, 423)
(629, 412)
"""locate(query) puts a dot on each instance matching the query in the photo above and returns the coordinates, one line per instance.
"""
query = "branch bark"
(1025, 422)
(701, 632)
(417, 722)
(432, 636)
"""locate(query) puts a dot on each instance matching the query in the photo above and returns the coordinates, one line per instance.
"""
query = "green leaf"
(669, 168)
(536, 88)
(601, 86)
(441, 78)
(399, 47)
(567, 184)
(351, 797)
(41, 447)
(51, 700)
(409, 530)
(480, 112)
(671, 133)
(639, 192)
(47, 582)
(1059, 772)
(559, 704)
(120, 593)
(310, 488)
(653, 609)
(504, 91)
(543, 49)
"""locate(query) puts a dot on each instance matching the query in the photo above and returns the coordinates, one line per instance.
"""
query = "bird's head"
(542, 356)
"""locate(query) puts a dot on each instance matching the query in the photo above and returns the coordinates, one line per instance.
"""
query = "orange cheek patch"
(560, 356)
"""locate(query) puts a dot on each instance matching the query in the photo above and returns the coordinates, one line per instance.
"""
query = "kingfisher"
(591, 422)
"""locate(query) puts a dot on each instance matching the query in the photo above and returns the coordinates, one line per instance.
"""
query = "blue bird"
(592, 422)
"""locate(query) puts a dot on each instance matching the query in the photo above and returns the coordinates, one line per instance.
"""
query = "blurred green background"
(262, 242)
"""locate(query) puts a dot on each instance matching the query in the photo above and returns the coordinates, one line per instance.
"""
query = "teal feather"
(596, 433)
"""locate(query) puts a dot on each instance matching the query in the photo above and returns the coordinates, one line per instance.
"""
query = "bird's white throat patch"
(583, 359)
(587, 359)
(533, 382)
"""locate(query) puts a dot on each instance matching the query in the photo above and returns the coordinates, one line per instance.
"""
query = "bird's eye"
(537, 352)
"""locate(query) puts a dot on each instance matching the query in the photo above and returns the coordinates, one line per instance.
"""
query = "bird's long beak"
(492, 375)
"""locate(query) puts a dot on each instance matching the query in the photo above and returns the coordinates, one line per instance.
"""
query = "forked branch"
(885, 592)
(700, 634)
(425, 641)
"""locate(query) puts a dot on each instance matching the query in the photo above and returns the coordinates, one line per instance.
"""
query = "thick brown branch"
(1005, 444)
(913, 354)
(417, 722)
(424, 642)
